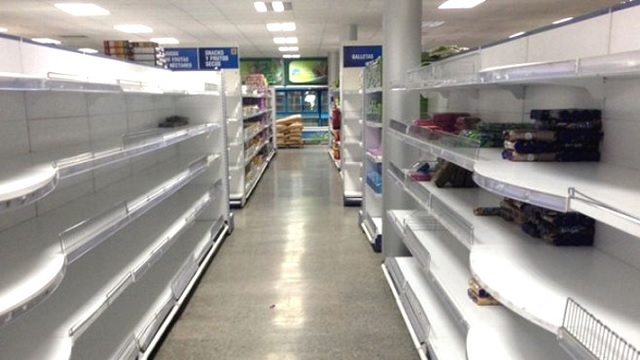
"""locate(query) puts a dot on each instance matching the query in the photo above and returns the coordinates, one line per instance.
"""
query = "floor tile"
(296, 280)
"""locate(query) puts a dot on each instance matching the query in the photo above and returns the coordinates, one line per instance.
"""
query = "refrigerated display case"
(312, 103)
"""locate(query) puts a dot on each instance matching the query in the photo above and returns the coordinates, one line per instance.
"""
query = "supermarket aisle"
(297, 279)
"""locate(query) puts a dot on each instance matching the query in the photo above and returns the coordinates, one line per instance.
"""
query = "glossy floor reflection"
(297, 279)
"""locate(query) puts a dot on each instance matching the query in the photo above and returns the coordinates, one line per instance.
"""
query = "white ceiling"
(322, 24)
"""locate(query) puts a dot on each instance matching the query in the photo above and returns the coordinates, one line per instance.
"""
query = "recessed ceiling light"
(165, 41)
(133, 28)
(562, 20)
(291, 56)
(516, 34)
(80, 9)
(88, 50)
(285, 40)
(277, 27)
(431, 24)
(460, 4)
(288, 48)
(260, 6)
(46, 41)
(277, 6)
(3, 29)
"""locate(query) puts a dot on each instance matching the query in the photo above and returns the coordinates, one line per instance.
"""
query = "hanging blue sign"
(359, 56)
(218, 58)
(182, 59)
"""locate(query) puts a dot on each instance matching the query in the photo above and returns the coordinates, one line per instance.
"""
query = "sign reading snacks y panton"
(190, 59)
(360, 55)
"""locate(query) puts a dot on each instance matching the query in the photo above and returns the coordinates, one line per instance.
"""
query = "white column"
(401, 52)
(334, 66)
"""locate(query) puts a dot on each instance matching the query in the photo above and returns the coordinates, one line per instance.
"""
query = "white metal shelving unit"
(334, 134)
(351, 151)
(251, 134)
(78, 192)
(586, 297)
(370, 217)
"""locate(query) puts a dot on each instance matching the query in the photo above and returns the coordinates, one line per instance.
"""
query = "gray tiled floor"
(297, 280)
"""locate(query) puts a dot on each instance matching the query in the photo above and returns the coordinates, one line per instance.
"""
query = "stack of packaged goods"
(336, 121)
(289, 131)
(374, 112)
(443, 121)
(281, 135)
(255, 84)
(120, 49)
(146, 52)
(294, 135)
(373, 78)
(559, 135)
(479, 295)
(491, 135)
(560, 229)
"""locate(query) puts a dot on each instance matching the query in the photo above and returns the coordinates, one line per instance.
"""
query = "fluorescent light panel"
(562, 20)
(165, 40)
(260, 6)
(291, 56)
(278, 27)
(81, 9)
(3, 29)
(133, 28)
(277, 6)
(88, 50)
(516, 34)
(46, 41)
(285, 40)
(460, 4)
(288, 48)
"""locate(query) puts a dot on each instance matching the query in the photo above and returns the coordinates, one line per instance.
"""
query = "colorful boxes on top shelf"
(142, 52)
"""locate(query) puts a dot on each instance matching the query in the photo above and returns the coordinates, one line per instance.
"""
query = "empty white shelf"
(254, 175)
(138, 303)
(85, 294)
(12, 81)
(256, 95)
(25, 179)
(38, 251)
(373, 124)
(256, 114)
(464, 156)
(576, 71)
(375, 158)
(513, 266)
(336, 162)
(446, 263)
(372, 227)
(427, 315)
(522, 274)
(609, 193)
